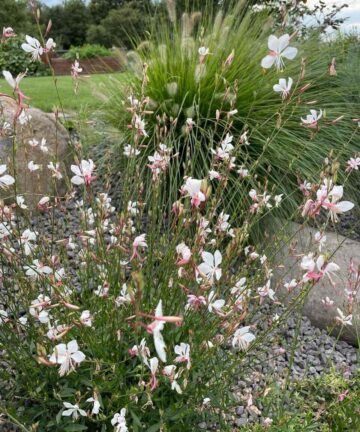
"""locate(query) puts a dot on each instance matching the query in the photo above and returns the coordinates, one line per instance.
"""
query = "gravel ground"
(316, 352)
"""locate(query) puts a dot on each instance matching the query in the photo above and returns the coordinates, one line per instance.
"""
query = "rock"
(33, 185)
(343, 250)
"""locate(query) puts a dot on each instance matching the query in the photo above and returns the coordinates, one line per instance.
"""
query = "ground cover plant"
(135, 317)
(200, 67)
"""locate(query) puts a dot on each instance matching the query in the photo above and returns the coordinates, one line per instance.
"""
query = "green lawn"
(43, 94)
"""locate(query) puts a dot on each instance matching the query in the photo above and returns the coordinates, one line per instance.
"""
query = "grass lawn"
(43, 94)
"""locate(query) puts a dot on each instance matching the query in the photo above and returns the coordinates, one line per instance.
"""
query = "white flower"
(37, 308)
(183, 354)
(214, 175)
(6, 179)
(34, 47)
(278, 199)
(224, 151)
(243, 172)
(33, 166)
(55, 169)
(96, 405)
(193, 188)
(290, 285)
(327, 302)
(86, 318)
(50, 44)
(26, 238)
(203, 51)
(132, 208)
(266, 291)
(13, 82)
(124, 296)
(213, 304)
(353, 164)
(73, 410)
(140, 126)
(242, 338)
(342, 319)
(140, 241)
(43, 146)
(130, 151)
(312, 119)
(334, 206)
(83, 172)
(279, 48)
(24, 118)
(3, 316)
(156, 327)
(320, 238)
(67, 356)
(283, 87)
(119, 421)
(37, 269)
(33, 142)
(210, 265)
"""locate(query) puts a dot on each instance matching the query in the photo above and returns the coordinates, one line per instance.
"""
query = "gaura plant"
(137, 317)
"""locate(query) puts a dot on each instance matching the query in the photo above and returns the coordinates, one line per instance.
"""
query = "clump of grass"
(281, 148)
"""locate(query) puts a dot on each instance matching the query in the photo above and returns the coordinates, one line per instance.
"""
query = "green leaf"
(154, 428)
(75, 427)
(135, 418)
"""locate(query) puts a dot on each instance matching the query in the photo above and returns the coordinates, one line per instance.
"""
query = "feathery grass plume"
(171, 8)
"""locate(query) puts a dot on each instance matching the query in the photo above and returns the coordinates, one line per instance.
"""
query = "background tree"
(15, 13)
(123, 25)
(70, 22)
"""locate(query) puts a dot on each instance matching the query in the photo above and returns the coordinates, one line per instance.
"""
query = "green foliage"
(313, 405)
(70, 22)
(121, 26)
(16, 14)
(280, 146)
(88, 51)
(14, 59)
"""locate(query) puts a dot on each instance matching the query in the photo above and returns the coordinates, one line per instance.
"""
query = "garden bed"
(89, 66)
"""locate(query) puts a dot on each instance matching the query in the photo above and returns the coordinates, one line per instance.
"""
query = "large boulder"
(40, 126)
(343, 250)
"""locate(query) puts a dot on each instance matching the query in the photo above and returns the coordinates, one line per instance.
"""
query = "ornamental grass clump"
(136, 317)
(208, 70)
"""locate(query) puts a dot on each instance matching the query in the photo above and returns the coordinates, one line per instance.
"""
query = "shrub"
(180, 86)
(15, 60)
(87, 51)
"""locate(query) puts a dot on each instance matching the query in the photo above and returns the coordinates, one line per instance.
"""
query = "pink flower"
(140, 241)
(8, 32)
(193, 188)
(353, 164)
(153, 366)
(185, 253)
(195, 302)
(343, 395)
(324, 269)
